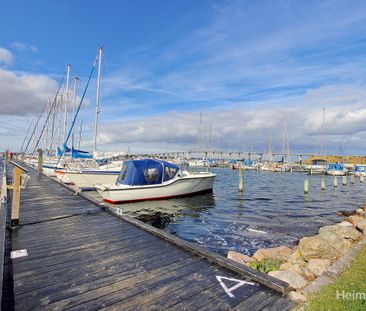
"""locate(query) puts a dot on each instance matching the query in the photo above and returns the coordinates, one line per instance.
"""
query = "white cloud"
(25, 93)
(345, 124)
(6, 57)
(24, 47)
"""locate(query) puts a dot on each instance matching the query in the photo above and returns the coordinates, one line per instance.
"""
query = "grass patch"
(351, 280)
(267, 264)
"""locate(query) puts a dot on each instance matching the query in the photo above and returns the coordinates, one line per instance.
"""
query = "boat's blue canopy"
(360, 168)
(336, 166)
(146, 172)
(248, 162)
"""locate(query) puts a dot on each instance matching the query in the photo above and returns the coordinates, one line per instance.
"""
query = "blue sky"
(167, 61)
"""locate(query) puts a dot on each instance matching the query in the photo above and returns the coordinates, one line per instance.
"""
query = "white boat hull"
(181, 186)
(336, 173)
(87, 180)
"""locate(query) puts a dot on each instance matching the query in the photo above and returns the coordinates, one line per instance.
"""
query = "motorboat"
(336, 169)
(152, 179)
(316, 169)
(359, 170)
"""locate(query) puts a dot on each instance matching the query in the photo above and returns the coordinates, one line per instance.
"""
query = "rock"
(296, 281)
(338, 243)
(281, 252)
(297, 297)
(316, 247)
(318, 266)
(286, 265)
(342, 231)
(240, 258)
(297, 268)
(362, 226)
(344, 213)
(360, 211)
(345, 224)
(296, 258)
(354, 219)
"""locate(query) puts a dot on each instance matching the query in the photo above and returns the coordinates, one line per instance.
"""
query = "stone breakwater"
(313, 257)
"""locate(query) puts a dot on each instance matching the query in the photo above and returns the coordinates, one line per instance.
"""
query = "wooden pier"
(82, 257)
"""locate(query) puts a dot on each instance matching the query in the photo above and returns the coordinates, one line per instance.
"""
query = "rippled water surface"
(273, 210)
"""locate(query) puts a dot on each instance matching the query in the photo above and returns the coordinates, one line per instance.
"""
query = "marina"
(72, 254)
(182, 155)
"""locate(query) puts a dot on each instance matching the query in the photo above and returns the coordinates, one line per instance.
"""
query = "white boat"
(151, 179)
(316, 169)
(336, 169)
(86, 179)
(359, 170)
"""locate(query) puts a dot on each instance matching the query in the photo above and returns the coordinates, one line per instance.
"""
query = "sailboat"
(86, 178)
(320, 166)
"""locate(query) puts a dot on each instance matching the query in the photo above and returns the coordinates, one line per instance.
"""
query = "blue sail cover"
(74, 153)
(80, 154)
(146, 172)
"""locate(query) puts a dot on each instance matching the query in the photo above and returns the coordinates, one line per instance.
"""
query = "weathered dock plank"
(83, 258)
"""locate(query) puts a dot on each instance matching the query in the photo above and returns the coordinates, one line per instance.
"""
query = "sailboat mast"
(321, 134)
(285, 143)
(80, 133)
(66, 98)
(97, 99)
(73, 108)
(270, 146)
(243, 138)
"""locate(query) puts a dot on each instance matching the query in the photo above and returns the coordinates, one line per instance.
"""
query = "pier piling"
(344, 180)
(241, 179)
(322, 185)
(361, 178)
(352, 179)
(335, 182)
(306, 186)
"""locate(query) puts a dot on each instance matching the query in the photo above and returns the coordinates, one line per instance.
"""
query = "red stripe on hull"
(159, 198)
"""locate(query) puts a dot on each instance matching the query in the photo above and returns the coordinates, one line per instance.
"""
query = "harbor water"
(273, 210)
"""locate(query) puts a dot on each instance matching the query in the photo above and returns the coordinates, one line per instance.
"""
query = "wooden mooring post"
(40, 160)
(335, 182)
(361, 178)
(352, 179)
(344, 180)
(15, 205)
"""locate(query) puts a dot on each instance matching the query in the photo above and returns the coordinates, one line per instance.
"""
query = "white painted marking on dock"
(19, 253)
(231, 289)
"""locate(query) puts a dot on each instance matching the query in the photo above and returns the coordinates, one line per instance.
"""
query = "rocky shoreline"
(305, 266)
